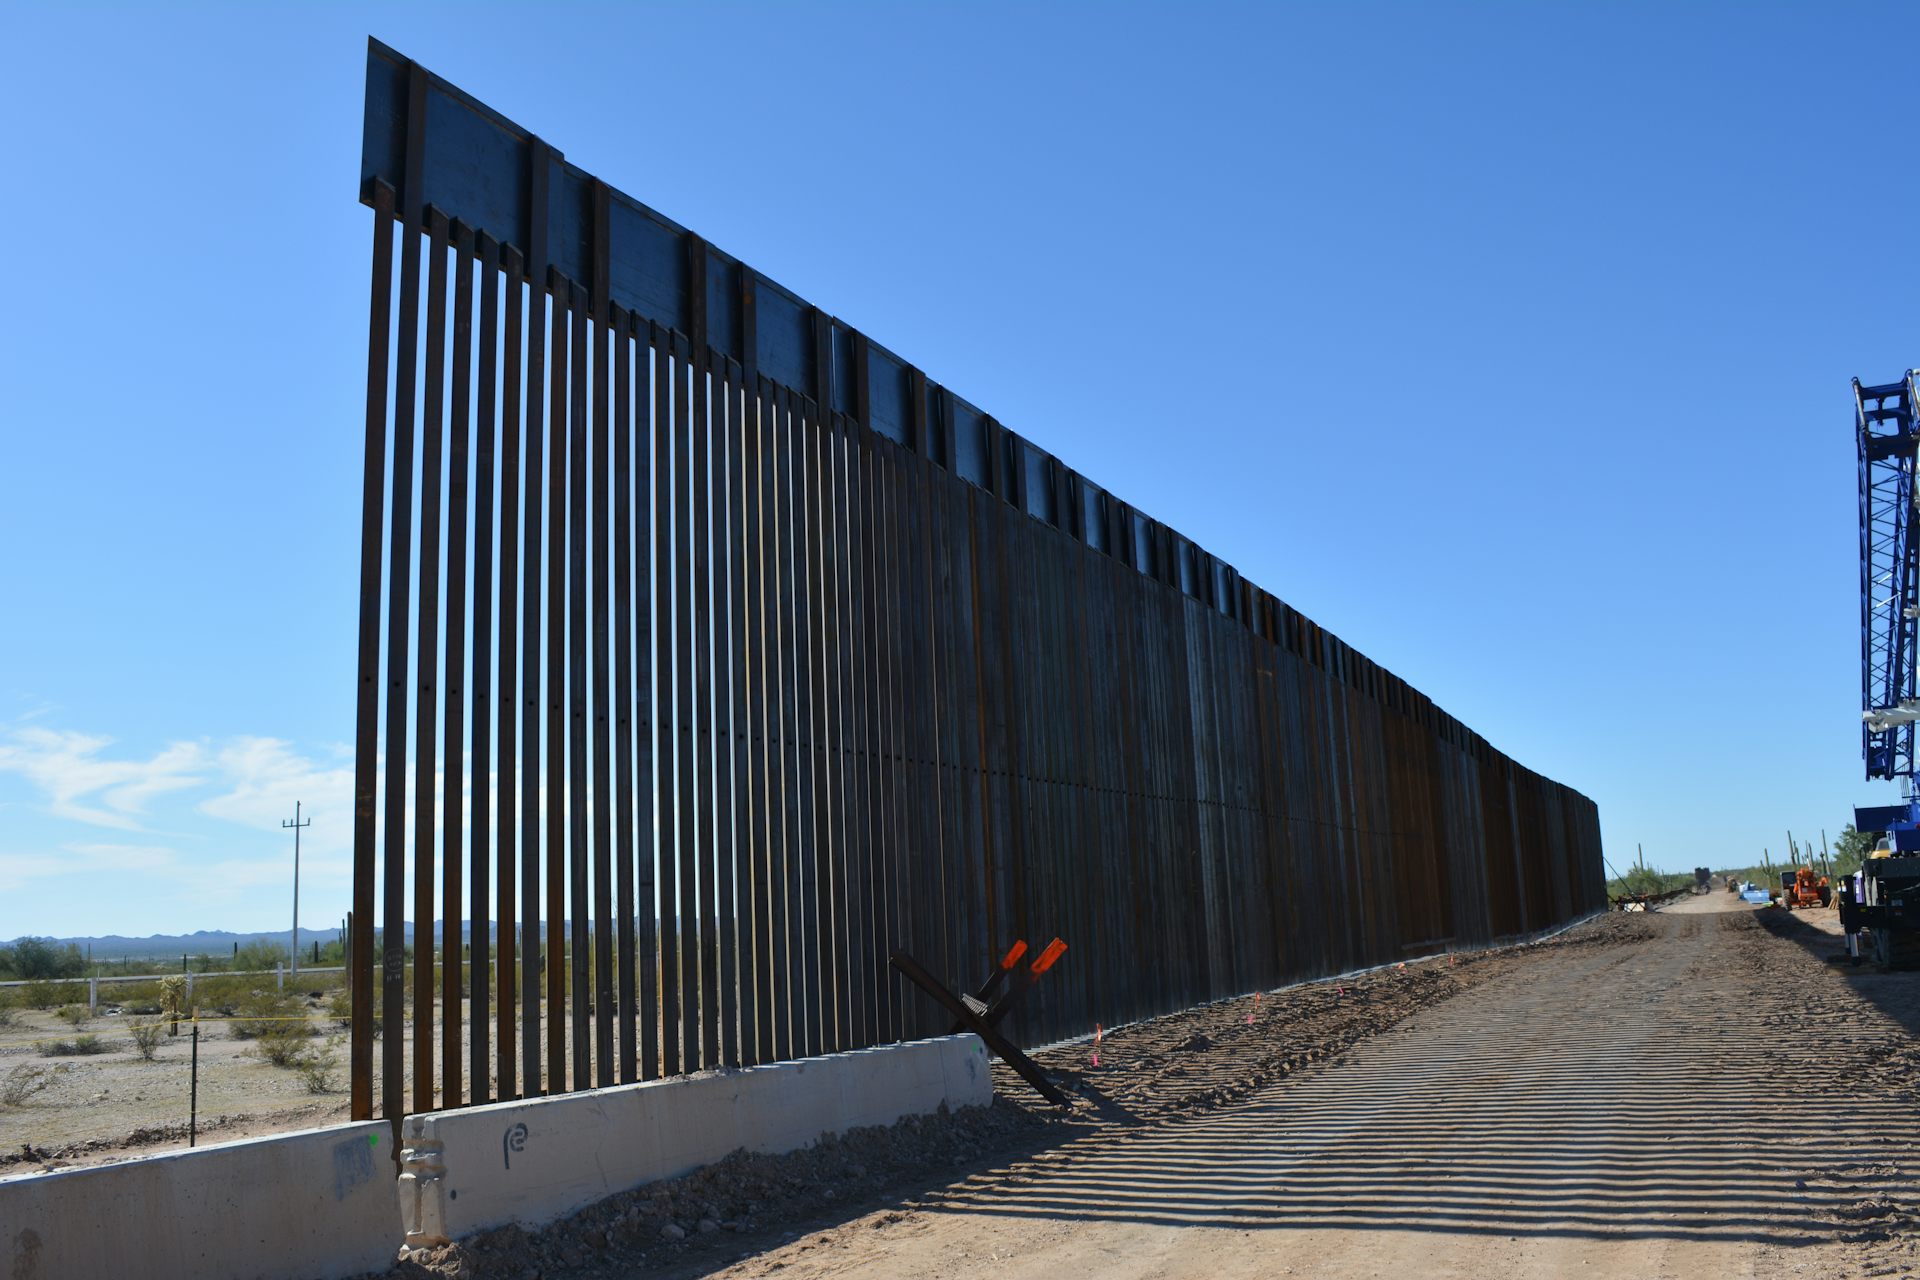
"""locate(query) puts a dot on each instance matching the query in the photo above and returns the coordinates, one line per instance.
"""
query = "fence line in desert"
(700, 627)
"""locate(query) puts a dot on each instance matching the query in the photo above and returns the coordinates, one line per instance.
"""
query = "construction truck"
(1804, 888)
(1880, 907)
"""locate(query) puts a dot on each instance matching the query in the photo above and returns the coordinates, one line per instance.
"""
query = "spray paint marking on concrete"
(352, 1165)
(514, 1139)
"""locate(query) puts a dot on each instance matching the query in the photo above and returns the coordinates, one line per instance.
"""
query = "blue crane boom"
(1889, 583)
(1881, 903)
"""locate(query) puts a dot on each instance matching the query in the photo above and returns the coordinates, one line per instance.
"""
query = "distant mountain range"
(215, 942)
(206, 942)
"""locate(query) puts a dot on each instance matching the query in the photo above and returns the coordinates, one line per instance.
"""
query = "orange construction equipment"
(1805, 889)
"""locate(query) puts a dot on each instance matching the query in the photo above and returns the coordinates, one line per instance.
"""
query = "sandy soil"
(1697, 1092)
(99, 1108)
(106, 1106)
(1676, 1105)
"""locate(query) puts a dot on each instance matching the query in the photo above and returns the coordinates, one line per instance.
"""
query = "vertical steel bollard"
(193, 1090)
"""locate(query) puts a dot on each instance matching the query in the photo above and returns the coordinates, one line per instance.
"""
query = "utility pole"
(296, 824)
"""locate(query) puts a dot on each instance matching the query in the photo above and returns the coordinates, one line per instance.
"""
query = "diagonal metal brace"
(1007, 1003)
(983, 997)
(999, 1044)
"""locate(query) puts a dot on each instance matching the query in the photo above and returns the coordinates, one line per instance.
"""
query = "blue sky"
(1510, 342)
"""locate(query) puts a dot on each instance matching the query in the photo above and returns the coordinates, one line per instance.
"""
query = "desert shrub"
(79, 1046)
(22, 1083)
(74, 1015)
(6, 1008)
(146, 1038)
(258, 1013)
(30, 958)
(226, 994)
(43, 994)
(318, 1067)
(283, 1043)
(340, 1007)
(258, 955)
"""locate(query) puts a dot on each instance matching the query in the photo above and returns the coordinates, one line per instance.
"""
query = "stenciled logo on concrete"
(514, 1139)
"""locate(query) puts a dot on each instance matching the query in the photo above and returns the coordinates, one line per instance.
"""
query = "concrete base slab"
(316, 1204)
(536, 1161)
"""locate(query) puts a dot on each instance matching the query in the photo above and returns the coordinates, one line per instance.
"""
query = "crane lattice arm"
(1880, 903)
(1889, 576)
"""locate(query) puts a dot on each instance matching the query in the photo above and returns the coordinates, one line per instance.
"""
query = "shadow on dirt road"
(1658, 1104)
(1897, 995)
(1568, 1108)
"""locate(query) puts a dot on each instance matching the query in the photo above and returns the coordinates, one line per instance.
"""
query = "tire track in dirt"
(1608, 1110)
(1186, 1063)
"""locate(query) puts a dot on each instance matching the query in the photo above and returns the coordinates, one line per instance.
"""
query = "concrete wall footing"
(317, 1204)
(536, 1161)
(321, 1203)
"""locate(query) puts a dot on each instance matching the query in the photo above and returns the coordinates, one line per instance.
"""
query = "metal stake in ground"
(296, 824)
(193, 1089)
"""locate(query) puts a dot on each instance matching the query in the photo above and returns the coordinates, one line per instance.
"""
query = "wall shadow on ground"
(1895, 994)
(1638, 1098)
(1627, 1092)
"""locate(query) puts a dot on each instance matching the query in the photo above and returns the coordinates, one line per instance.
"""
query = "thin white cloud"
(220, 802)
(223, 859)
(237, 880)
(124, 857)
(18, 868)
(81, 784)
(83, 859)
(261, 779)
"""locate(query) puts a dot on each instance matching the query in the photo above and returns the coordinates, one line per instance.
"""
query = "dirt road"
(1674, 1104)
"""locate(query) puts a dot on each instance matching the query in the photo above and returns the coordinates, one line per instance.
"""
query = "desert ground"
(1706, 1090)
